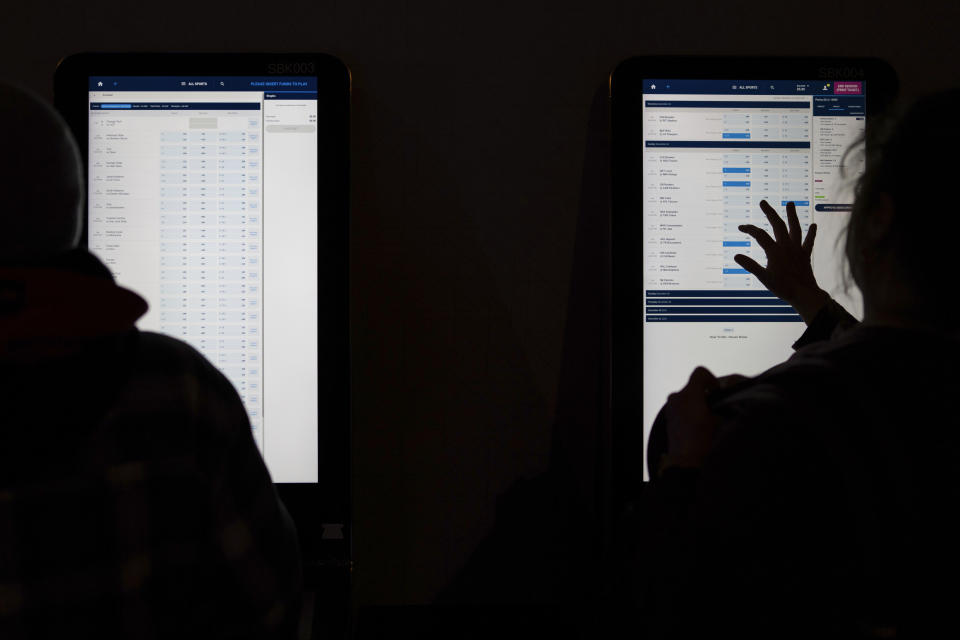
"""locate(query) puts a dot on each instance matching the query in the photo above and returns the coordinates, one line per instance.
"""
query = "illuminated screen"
(712, 150)
(203, 199)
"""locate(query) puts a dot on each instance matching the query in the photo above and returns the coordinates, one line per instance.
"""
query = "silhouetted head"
(903, 239)
(41, 179)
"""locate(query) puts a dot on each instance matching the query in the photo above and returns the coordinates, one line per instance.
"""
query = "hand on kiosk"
(788, 273)
(685, 424)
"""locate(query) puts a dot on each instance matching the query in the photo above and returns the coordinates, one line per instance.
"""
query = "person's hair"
(910, 155)
(41, 179)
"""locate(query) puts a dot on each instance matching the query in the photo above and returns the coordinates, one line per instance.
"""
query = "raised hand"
(788, 273)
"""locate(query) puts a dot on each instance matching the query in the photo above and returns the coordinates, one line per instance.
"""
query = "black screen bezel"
(626, 104)
(328, 502)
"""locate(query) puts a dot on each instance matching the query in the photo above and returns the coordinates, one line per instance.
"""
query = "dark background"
(478, 218)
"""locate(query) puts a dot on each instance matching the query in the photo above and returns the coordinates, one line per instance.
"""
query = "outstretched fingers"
(762, 237)
(779, 228)
(753, 267)
(808, 241)
(796, 235)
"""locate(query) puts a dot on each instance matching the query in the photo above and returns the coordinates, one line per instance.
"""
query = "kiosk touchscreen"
(217, 191)
(703, 151)
(202, 197)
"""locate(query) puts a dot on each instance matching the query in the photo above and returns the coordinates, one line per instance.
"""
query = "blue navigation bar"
(695, 318)
(736, 183)
(796, 203)
(202, 83)
(732, 270)
(746, 87)
(179, 106)
(701, 305)
(728, 104)
(736, 243)
(709, 293)
(716, 310)
(718, 299)
(728, 144)
(736, 170)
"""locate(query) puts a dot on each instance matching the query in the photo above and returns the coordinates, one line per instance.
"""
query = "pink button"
(848, 87)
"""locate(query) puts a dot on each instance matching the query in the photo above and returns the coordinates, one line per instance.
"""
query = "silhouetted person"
(133, 500)
(817, 499)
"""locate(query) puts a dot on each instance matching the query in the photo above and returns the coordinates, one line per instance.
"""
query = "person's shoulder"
(165, 355)
(164, 347)
(783, 386)
(168, 375)
(819, 371)
(783, 408)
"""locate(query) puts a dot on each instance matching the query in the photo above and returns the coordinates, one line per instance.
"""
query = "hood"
(57, 308)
